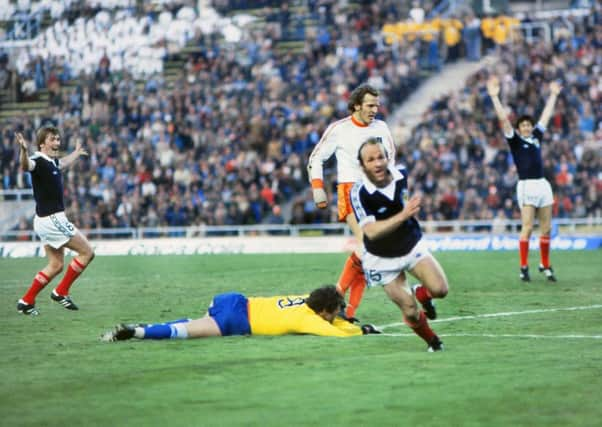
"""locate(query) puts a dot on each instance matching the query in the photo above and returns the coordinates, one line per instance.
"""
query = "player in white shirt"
(343, 139)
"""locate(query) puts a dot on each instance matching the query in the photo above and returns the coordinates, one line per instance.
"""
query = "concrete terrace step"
(294, 46)
(25, 105)
(8, 114)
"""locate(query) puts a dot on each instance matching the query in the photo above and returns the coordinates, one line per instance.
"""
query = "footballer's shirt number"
(374, 276)
(290, 302)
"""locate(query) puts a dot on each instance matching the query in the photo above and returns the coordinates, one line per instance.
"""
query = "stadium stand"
(215, 125)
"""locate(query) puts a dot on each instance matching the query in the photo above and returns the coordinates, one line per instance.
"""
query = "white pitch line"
(596, 337)
(503, 314)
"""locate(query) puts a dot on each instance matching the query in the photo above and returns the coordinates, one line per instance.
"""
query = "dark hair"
(357, 96)
(375, 140)
(43, 132)
(325, 298)
(525, 118)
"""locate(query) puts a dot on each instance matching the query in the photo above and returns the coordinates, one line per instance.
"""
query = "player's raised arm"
(26, 163)
(493, 89)
(69, 159)
(546, 114)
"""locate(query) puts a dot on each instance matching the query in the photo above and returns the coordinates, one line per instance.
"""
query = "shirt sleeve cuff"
(317, 183)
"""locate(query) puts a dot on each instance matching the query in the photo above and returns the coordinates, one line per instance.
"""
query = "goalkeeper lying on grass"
(235, 314)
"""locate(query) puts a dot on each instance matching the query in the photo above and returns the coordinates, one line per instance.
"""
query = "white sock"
(179, 330)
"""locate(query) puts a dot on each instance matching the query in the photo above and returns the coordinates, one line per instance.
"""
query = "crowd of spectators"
(458, 156)
(226, 143)
(460, 159)
(130, 36)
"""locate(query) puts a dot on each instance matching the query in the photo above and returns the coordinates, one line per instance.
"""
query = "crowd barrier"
(295, 244)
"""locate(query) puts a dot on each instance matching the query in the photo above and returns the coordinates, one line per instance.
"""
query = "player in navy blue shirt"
(533, 191)
(50, 223)
(392, 240)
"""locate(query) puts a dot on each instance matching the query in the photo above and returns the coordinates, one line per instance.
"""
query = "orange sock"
(421, 327)
(351, 270)
(39, 282)
(73, 271)
(356, 292)
(523, 247)
(544, 251)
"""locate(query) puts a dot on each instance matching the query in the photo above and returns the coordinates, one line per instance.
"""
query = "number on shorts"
(374, 276)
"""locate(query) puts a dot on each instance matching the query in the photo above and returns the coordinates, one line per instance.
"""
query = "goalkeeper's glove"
(370, 329)
(343, 316)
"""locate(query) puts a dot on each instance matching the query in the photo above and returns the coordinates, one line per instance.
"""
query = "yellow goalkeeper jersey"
(290, 315)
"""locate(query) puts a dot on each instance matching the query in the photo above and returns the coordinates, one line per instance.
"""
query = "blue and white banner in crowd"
(290, 244)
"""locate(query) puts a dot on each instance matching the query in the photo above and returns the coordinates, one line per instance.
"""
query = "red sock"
(421, 327)
(39, 282)
(422, 294)
(73, 271)
(351, 270)
(544, 251)
(356, 291)
(523, 246)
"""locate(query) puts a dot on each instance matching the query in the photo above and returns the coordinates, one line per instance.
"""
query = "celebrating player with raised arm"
(235, 314)
(50, 223)
(533, 191)
(342, 139)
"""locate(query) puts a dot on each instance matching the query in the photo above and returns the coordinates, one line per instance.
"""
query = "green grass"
(521, 369)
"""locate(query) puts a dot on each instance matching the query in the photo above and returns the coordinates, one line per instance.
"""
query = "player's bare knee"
(441, 291)
(90, 256)
(87, 255)
(526, 230)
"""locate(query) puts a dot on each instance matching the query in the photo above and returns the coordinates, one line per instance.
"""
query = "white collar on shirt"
(389, 190)
(40, 154)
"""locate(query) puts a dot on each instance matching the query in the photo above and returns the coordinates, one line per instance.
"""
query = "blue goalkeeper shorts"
(231, 314)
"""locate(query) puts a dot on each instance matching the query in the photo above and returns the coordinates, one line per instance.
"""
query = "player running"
(342, 139)
(393, 241)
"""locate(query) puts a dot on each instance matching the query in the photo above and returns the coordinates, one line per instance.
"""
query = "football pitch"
(515, 354)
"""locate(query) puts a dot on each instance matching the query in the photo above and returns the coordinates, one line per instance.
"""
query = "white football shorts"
(534, 192)
(54, 230)
(381, 271)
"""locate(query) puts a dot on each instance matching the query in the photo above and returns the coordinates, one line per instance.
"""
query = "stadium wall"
(289, 244)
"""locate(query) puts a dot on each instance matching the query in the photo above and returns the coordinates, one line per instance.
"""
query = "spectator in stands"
(472, 37)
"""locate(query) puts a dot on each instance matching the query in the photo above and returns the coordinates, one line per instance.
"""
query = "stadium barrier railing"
(592, 226)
